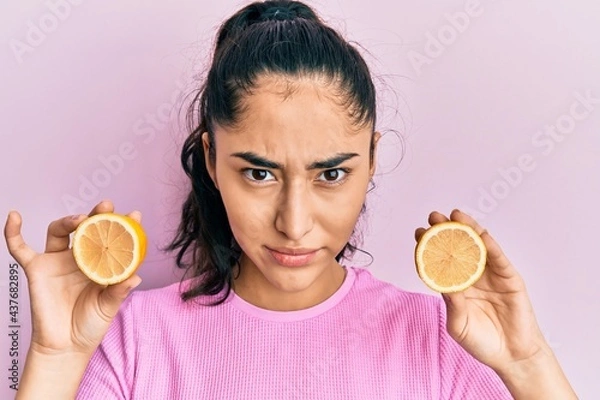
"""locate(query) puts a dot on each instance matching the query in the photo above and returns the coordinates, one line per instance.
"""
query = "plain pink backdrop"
(488, 96)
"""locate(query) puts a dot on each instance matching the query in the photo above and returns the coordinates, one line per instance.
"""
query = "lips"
(292, 257)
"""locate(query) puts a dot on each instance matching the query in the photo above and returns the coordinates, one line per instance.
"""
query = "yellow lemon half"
(450, 257)
(108, 247)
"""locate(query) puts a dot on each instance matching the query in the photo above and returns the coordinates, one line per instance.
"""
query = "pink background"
(89, 110)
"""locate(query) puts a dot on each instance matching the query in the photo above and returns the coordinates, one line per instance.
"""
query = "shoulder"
(166, 296)
(368, 285)
(394, 303)
(164, 304)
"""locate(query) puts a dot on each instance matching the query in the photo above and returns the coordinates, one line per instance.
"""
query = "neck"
(253, 287)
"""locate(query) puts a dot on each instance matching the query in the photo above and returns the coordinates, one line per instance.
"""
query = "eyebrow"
(262, 162)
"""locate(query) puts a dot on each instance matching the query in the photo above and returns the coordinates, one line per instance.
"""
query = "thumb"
(15, 243)
(112, 296)
(136, 215)
(456, 314)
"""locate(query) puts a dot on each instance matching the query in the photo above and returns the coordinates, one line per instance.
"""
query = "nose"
(294, 212)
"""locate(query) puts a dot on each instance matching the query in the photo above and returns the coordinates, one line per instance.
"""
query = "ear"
(376, 137)
(210, 167)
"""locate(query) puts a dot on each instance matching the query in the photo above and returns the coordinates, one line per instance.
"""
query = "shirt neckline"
(299, 315)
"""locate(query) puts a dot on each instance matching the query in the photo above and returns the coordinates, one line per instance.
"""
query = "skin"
(295, 124)
(494, 321)
(69, 313)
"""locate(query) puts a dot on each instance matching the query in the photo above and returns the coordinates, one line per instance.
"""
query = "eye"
(257, 175)
(335, 176)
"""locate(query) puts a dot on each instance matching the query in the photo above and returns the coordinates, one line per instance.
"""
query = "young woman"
(280, 159)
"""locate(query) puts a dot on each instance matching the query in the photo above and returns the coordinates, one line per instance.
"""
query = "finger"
(105, 206)
(57, 238)
(436, 217)
(419, 232)
(111, 297)
(459, 216)
(17, 247)
(136, 215)
(496, 259)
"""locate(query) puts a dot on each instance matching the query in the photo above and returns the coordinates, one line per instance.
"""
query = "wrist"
(537, 377)
(52, 374)
(537, 363)
(48, 353)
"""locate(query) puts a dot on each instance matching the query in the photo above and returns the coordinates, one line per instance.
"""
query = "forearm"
(539, 378)
(52, 376)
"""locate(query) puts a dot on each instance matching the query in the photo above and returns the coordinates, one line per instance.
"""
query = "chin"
(292, 279)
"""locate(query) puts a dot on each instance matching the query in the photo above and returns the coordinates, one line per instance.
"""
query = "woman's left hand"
(493, 319)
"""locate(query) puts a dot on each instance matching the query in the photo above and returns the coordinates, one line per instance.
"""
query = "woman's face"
(293, 176)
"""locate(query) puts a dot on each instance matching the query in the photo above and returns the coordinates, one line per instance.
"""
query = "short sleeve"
(110, 372)
(462, 376)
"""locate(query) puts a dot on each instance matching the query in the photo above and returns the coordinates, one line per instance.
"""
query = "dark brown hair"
(279, 37)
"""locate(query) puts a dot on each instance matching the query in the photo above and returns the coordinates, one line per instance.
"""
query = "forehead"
(299, 115)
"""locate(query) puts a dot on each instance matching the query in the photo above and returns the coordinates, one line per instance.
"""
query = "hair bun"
(265, 11)
(284, 10)
(278, 13)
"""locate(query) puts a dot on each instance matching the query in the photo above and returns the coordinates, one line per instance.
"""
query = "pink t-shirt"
(368, 341)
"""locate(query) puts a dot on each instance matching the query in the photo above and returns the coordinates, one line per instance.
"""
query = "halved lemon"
(108, 247)
(450, 257)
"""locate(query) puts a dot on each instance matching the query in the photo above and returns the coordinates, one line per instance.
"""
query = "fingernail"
(130, 288)
(75, 217)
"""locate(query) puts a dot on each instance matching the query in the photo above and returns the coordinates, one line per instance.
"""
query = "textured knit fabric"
(368, 341)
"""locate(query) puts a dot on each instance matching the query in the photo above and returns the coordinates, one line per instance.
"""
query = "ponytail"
(279, 36)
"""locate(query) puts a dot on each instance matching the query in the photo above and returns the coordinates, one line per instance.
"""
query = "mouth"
(293, 257)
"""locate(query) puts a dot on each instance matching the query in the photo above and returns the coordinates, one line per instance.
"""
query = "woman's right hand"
(70, 313)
